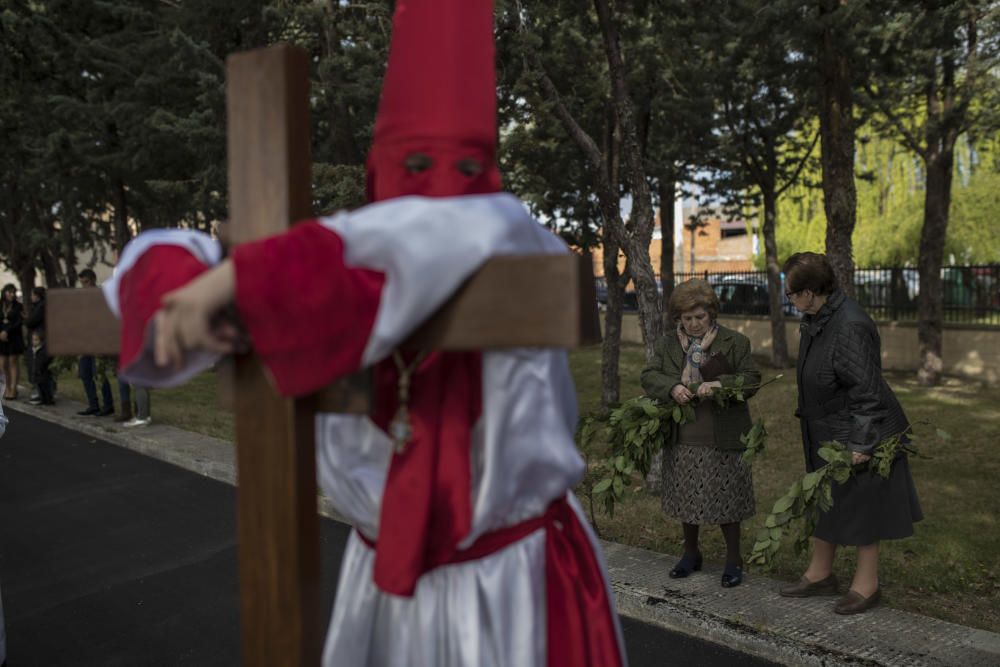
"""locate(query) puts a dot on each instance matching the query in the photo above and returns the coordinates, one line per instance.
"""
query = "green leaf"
(841, 474)
(602, 486)
(620, 463)
(809, 481)
(783, 504)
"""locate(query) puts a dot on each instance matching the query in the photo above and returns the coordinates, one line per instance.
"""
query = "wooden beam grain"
(517, 301)
(78, 321)
(270, 176)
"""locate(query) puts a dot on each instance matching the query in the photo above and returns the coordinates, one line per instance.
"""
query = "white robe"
(486, 612)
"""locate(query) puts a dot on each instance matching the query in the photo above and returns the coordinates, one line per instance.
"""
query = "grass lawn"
(950, 569)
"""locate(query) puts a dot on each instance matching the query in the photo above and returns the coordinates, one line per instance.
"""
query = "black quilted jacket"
(842, 394)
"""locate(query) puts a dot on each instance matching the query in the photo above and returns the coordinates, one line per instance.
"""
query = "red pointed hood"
(435, 134)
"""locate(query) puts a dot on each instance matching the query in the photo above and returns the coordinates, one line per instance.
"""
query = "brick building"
(719, 246)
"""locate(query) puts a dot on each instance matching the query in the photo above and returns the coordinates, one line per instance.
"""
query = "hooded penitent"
(435, 134)
(456, 511)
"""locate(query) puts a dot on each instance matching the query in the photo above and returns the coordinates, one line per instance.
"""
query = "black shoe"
(685, 566)
(106, 412)
(732, 575)
(804, 588)
(856, 603)
(89, 412)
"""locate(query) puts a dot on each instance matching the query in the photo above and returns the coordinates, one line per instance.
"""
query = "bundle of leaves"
(794, 515)
(642, 426)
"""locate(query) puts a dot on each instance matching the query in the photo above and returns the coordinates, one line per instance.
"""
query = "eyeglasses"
(792, 295)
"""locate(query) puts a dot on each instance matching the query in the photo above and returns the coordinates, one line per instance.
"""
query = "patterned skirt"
(705, 485)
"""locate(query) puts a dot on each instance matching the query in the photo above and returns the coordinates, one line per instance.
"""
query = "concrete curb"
(751, 618)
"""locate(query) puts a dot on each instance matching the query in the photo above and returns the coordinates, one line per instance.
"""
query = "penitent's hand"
(188, 317)
(857, 458)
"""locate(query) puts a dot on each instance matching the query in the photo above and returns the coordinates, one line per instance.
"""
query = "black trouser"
(45, 385)
(88, 368)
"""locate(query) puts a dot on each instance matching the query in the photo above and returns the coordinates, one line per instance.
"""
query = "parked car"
(630, 304)
(882, 288)
(747, 295)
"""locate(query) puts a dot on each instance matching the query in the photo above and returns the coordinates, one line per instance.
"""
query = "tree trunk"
(611, 345)
(26, 276)
(69, 253)
(779, 344)
(930, 310)
(636, 243)
(51, 269)
(667, 221)
(641, 271)
(122, 233)
(837, 134)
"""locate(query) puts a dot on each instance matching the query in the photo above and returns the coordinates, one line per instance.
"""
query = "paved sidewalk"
(751, 618)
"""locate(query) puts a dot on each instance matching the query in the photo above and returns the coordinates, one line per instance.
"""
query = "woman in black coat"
(843, 397)
(11, 338)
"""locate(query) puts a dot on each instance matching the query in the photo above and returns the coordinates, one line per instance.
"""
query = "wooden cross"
(530, 301)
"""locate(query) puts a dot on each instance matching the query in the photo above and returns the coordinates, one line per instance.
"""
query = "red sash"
(580, 622)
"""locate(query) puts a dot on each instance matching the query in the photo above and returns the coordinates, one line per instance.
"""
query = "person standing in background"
(88, 368)
(34, 322)
(11, 338)
(142, 416)
(41, 376)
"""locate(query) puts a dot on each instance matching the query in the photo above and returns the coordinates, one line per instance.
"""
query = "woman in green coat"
(705, 480)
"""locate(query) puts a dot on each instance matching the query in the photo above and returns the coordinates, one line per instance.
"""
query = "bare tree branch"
(798, 169)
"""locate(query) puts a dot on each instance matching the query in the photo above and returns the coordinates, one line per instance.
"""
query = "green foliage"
(891, 204)
(794, 515)
(113, 115)
(641, 427)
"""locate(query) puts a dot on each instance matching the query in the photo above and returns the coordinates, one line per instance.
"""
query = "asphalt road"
(111, 558)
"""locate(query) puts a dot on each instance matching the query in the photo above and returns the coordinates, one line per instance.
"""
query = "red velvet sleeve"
(309, 315)
(158, 270)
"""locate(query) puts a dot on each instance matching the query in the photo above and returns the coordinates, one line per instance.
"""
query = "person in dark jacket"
(705, 480)
(843, 397)
(88, 369)
(11, 338)
(41, 375)
(34, 322)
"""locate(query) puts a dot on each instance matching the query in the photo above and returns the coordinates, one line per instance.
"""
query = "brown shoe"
(855, 603)
(804, 588)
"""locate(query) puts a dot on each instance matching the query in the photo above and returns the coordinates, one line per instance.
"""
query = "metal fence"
(971, 294)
